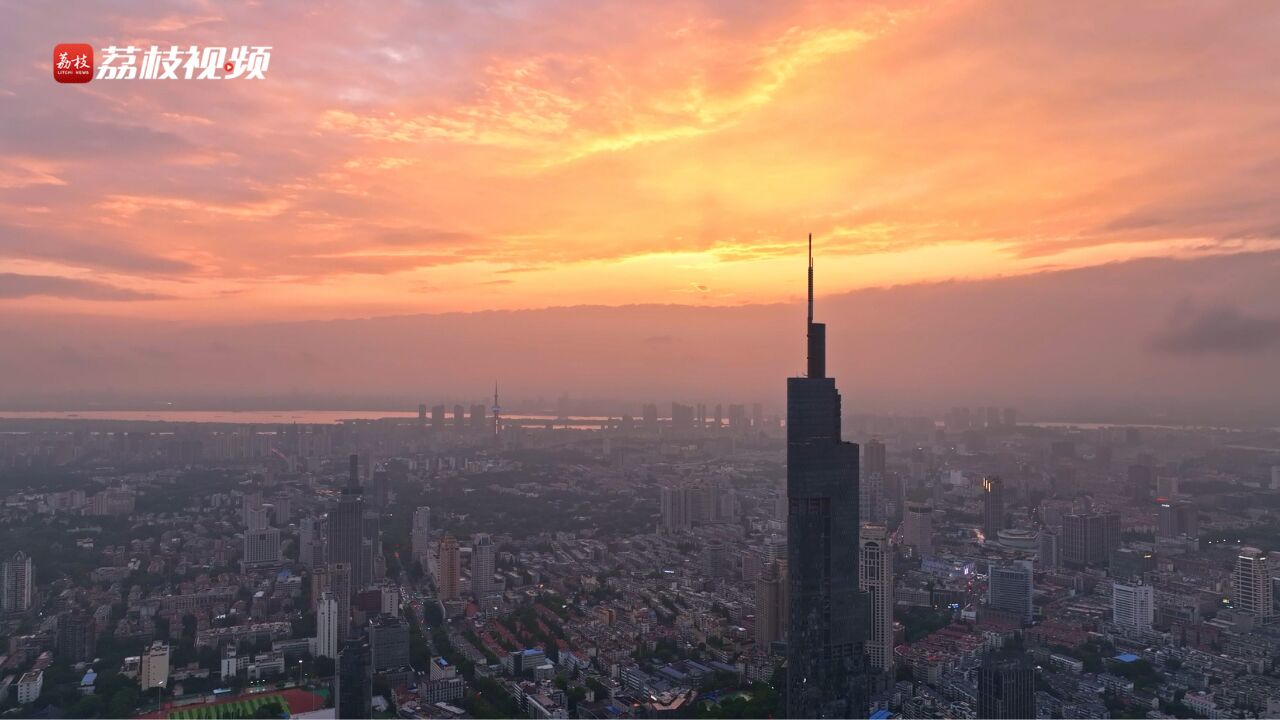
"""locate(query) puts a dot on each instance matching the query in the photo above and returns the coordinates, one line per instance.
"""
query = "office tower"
(334, 579)
(19, 575)
(1006, 688)
(154, 666)
(328, 622)
(380, 485)
(75, 637)
(1175, 519)
(681, 418)
(310, 542)
(251, 509)
(719, 421)
(677, 515)
(388, 643)
(1167, 486)
(1141, 482)
(355, 680)
(738, 418)
(649, 417)
(1132, 606)
(757, 417)
(257, 518)
(1088, 539)
(422, 412)
(477, 418)
(917, 529)
(1010, 589)
(1050, 554)
(875, 578)
(437, 417)
(871, 498)
(874, 458)
(992, 508)
(482, 565)
(347, 529)
(775, 548)
(1251, 585)
(1127, 563)
(714, 559)
(420, 534)
(448, 571)
(459, 417)
(261, 548)
(826, 660)
(771, 617)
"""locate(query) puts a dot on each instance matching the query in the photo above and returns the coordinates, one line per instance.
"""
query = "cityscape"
(706, 359)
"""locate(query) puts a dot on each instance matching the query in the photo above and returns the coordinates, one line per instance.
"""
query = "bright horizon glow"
(447, 158)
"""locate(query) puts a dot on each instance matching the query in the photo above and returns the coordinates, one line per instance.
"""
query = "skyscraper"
(1251, 585)
(1006, 688)
(355, 680)
(420, 535)
(826, 660)
(447, 569)
(346, 529)
(1010, 589)
(328, 623)
(334, 578)
(1174, 519)
(482, 565)
(18, 578)
(992, 508)
(1090, 538)
(261, 548)
(875, 568)
(388, 643)
(1132, 606)
(771, 615)
(917, 529)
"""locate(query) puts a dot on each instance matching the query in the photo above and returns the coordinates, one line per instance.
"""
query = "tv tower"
(497, 411)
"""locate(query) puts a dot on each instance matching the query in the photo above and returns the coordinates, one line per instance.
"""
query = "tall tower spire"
(810, 279)
(496, 410)
(815, 333)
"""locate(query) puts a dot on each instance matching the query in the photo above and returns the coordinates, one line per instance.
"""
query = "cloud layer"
(448, 156)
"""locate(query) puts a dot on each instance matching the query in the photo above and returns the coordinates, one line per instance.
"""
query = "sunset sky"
(424, 157)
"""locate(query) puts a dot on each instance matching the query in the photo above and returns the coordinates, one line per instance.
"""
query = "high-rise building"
(448, 571)
(917, 529)
(992, 508)
(1132, 606)
(328, 623)
(261, 548)
(420, 534)
(1175, 519)
(19, 576)
(75, 637)
(459, 417)
(347, 530)
(388, 643)
(1088, 539)
(771, 615)
(1142, 482)
(310, 542)
(1251, 585)
(1006, 688)
(482, 565)
(154, 666)
(677, 510)
(437, 417)
(875, 578)
(1011, 588)
(874, 458)
(1050, 554)
(826, 660)
(355, 680)
(649, 417)
(335, 579)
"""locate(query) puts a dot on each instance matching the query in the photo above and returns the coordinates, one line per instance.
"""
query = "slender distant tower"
(827, 668)
(497, 420)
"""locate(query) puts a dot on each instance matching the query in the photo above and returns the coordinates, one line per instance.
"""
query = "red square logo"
(73, 63)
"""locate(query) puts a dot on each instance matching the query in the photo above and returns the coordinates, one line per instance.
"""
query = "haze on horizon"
(1012, 204)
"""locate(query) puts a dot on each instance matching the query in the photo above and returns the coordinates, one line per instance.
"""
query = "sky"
(458, 157)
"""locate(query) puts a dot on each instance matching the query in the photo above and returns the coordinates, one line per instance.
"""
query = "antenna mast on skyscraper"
(496, 409)
(810, 322)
